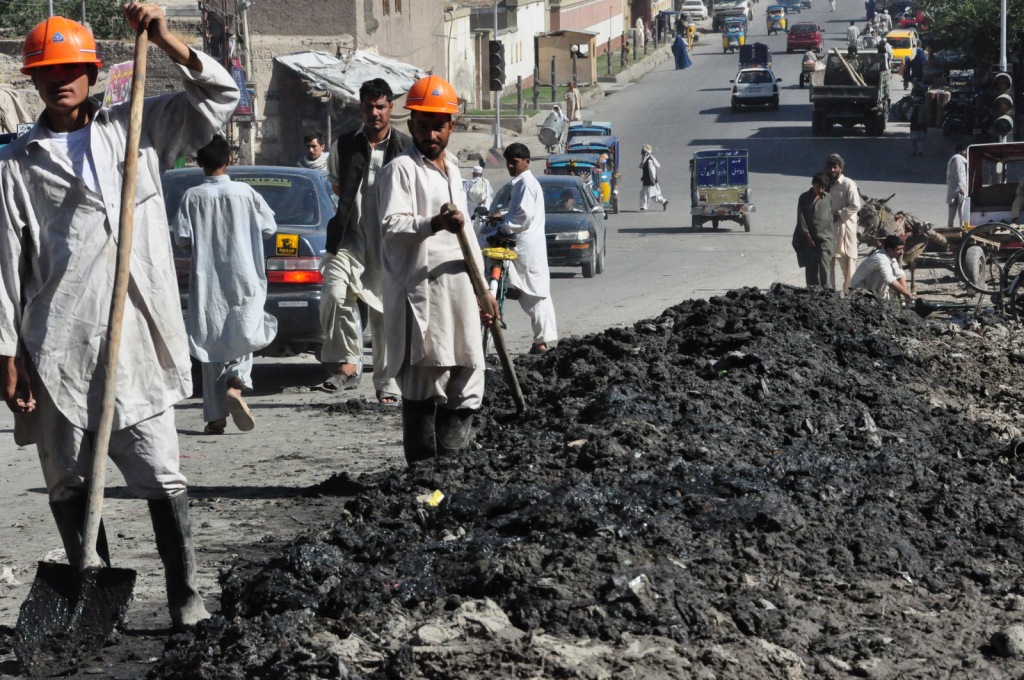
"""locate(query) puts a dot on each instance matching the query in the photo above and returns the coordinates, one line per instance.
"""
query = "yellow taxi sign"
(287, 245)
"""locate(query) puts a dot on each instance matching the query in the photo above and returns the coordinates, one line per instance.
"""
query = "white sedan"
(755, 87)
(694, 8)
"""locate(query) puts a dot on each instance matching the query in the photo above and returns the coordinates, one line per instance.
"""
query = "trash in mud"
(769, 484)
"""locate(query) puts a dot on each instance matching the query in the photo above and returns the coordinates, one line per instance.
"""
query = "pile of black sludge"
(783, 483)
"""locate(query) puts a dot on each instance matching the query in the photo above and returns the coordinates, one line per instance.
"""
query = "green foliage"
(973, 27)
(105, 17)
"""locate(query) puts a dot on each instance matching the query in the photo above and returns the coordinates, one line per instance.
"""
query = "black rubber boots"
(173, 530)
(70, 518)
(429, 431)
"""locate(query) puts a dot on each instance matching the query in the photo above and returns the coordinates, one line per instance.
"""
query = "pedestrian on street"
(832, 3)
(918, 127)
(573, 103)
(881, 272)
(845, 205)
(649, 179)
(315, 157)
(812, 238)
(680, 53)
(59, 209)
(351, 265)
(869, 6)
(479, 194)
(431, 314)
(852, 35)
(956, 186)
(221, 223)
(884, 21)
(529, 273)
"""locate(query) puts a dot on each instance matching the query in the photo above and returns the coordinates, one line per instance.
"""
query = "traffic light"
(1002, 105)
(496, 52)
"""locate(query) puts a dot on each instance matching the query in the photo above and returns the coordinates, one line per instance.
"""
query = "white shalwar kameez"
(57, 254)
(846, 201)
(222, 224)
(431, 315)
(530, 274)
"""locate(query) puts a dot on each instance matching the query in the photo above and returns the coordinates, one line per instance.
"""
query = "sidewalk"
(469, 146)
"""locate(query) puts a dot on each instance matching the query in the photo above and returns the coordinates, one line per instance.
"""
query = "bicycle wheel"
(1012, 283)
(984, 254)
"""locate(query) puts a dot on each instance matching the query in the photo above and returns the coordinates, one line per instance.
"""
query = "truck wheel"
(746, 222)
(696, 223)
(714, 224)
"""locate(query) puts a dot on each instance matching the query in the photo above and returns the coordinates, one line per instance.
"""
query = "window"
(387, 8)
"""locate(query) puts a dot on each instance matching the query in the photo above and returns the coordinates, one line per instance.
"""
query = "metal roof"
(341, 77)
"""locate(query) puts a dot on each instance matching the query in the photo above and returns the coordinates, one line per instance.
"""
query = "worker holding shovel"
(60, 197)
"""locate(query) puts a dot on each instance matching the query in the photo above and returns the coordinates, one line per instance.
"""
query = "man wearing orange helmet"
(431, 316)
(60, 189)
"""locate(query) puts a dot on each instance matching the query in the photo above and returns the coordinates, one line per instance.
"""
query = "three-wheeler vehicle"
(775, 19)
(589, 128)
(719, 188)
(734, 34)
(608, 147)
(586, 166)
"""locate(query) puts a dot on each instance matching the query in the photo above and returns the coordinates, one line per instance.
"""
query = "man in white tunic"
(524, 220)
(222, 224)
(60, 189)
(956, 186)
(431, 316)
(845, 205)
(881, 273)
(351, 265)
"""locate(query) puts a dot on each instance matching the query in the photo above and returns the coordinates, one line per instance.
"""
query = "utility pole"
(497, 95)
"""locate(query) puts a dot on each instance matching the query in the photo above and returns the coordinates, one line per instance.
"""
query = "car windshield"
(803, 28)
(754, 77)
(900, 43)
(292, 198)
(563, 199)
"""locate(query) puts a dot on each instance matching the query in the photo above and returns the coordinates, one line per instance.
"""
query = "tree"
(973, 27)
(105, 17)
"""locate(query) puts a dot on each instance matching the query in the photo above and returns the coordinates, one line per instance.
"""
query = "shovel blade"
(68, 615)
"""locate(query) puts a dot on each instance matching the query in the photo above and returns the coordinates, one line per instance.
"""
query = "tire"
(615, 206)
(775, 104)
(599, 268)
(746, 222)
(714, 224)
(696, 223)
(590, 267)
(735, 106)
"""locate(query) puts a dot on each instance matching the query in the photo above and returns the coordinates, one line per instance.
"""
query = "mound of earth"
(771, 484)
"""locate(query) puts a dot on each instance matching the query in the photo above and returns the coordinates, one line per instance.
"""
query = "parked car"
(792, 6)
(303, 202)
(904, 43)
(755, 87)
(805, 37)
(695, 8)
(913, 17)
(575, 236)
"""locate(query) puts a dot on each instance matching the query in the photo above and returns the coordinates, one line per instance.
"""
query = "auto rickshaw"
(776, 19)
(734, 34)
(608, 175)
(719, 188)
(586, 166)
(589, 128)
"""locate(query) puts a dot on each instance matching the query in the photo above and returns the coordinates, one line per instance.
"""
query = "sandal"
(342, 381)
(387, 399)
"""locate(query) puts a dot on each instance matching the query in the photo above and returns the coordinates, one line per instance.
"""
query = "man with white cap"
(649, 179)
(479, 192)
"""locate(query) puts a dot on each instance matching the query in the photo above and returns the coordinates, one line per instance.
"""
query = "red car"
(804, 37)
(913, 17)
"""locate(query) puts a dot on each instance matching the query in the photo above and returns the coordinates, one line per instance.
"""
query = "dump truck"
(850, 90)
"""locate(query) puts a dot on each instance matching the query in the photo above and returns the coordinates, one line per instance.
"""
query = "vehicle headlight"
(572, 236)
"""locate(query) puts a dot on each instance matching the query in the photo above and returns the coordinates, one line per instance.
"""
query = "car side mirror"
(732, 81)
(778, 80)
(597, 209)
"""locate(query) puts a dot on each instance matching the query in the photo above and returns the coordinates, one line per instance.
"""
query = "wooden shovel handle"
(97, 476)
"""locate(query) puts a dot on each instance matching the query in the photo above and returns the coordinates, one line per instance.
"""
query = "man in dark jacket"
(351, 265)
(812, 239)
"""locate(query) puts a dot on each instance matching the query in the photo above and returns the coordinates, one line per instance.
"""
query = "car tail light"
(301, 270)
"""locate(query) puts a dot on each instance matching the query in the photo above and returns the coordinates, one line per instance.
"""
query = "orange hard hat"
(432, 94)
(58, 41)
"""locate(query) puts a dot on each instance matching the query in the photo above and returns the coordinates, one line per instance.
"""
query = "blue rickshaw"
(608, 185)
(586, 166)
(589, 128)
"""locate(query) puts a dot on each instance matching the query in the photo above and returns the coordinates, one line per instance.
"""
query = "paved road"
(654, 260)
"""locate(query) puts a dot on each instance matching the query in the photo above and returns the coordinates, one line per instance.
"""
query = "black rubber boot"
(418, 430)
(70, 518)
(173, 530)
(454, 429)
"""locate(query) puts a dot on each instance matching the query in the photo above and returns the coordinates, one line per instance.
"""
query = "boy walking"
(222, 224)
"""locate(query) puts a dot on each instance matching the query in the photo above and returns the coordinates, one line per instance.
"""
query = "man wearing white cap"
(479, 192)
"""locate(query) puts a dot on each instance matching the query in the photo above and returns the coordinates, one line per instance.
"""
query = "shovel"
(70, 612)
(484, 299)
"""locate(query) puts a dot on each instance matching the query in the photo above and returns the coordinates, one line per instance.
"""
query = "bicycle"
(498, 257)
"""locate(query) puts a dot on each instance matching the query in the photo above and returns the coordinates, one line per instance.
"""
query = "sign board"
(119, 86)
